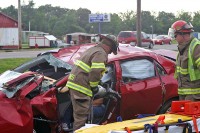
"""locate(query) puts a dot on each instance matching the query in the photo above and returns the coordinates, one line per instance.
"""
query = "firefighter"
(85, 77)
(188, 61)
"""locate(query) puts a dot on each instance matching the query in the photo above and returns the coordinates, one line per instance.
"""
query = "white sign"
(94, 18)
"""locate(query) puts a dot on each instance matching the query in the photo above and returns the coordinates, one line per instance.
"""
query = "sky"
(115, 6)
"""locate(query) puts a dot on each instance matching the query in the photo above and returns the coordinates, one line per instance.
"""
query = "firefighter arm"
(97, 69)
(196, 56)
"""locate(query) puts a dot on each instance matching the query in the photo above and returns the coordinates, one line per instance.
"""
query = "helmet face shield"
(187, 26)
(171, 33)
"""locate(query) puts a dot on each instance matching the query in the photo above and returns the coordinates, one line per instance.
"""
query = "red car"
(162, 39)
(29, 100)
(130, 37)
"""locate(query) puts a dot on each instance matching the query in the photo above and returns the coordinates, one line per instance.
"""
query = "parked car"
(162, 39)
(28, 94)
(130, 37)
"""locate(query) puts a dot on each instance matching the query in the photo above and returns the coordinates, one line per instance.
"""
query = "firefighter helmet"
(181, 26)
(112, 42)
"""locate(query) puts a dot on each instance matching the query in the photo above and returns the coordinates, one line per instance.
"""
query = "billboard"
(96, 18)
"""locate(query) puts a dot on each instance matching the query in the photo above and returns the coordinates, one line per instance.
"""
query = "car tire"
(151, 45)
(167, 106)
(170, 42)
(162, 43)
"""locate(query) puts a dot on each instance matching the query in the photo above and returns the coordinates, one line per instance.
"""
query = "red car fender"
(16, 116)
(46, 104)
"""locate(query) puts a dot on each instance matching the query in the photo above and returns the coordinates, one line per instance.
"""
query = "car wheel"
(150, 45)
(162, 43)
(170, 42)
(167, 106)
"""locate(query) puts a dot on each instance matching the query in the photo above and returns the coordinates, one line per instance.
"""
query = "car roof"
(70, 54)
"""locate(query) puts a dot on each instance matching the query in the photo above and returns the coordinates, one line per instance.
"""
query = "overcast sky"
(116, 6)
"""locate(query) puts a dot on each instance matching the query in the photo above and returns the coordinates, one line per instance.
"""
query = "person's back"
(96, 54)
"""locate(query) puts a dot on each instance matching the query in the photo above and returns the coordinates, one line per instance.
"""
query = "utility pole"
(138, 23)
(152, 30)
(19, 25)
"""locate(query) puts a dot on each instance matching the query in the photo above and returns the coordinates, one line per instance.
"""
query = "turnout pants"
(81, 108)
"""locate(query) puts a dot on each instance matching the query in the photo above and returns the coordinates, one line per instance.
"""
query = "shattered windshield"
(55, 62)
(47, 65)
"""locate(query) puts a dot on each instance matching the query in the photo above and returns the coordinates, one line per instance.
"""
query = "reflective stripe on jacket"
(187, 91)
(187, 71)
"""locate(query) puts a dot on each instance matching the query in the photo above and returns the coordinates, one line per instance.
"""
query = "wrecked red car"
(29, 101)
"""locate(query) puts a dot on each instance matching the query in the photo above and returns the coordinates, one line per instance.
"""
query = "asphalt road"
(20, 54)
(34, 53)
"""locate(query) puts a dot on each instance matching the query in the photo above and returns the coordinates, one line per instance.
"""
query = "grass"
(174, 41)
(8, 64)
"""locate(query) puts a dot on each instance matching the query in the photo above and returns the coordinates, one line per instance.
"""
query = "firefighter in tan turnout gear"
(85, 77)
(188, 61)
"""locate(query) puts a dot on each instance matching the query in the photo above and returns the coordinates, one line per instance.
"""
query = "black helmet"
(111, 38)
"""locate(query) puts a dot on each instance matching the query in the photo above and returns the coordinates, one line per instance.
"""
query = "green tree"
(196, 21)
(10, 11)
(186, 16)
(128, 20)
(163, 22)
(28, 12)
(147, 19)
(82, 15)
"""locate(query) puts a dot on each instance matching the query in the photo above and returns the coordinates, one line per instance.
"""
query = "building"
(78, 38)
(27, 34)
(45, 41)
(8, 32)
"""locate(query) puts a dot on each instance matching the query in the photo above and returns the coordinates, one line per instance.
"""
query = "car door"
(140, 88)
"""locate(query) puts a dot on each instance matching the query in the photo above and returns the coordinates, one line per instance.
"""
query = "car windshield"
(159, 37)
(125, 34)
(48, 65)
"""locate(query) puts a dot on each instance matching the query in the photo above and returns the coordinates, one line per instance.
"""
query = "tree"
(60, 21)
(196, 21)
(28, 12)
(147, 19)
(163, 22)
(186, 16)
(83, 18)
(10, 11)
(128, 20)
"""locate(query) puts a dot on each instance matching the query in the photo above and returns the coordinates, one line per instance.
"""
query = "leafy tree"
(163, 22)
(83, 17)
(128, 20)
(61, 21)
(147, 19)
(186, 16)
(28, 12)
(196, 21)
(10, 11)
